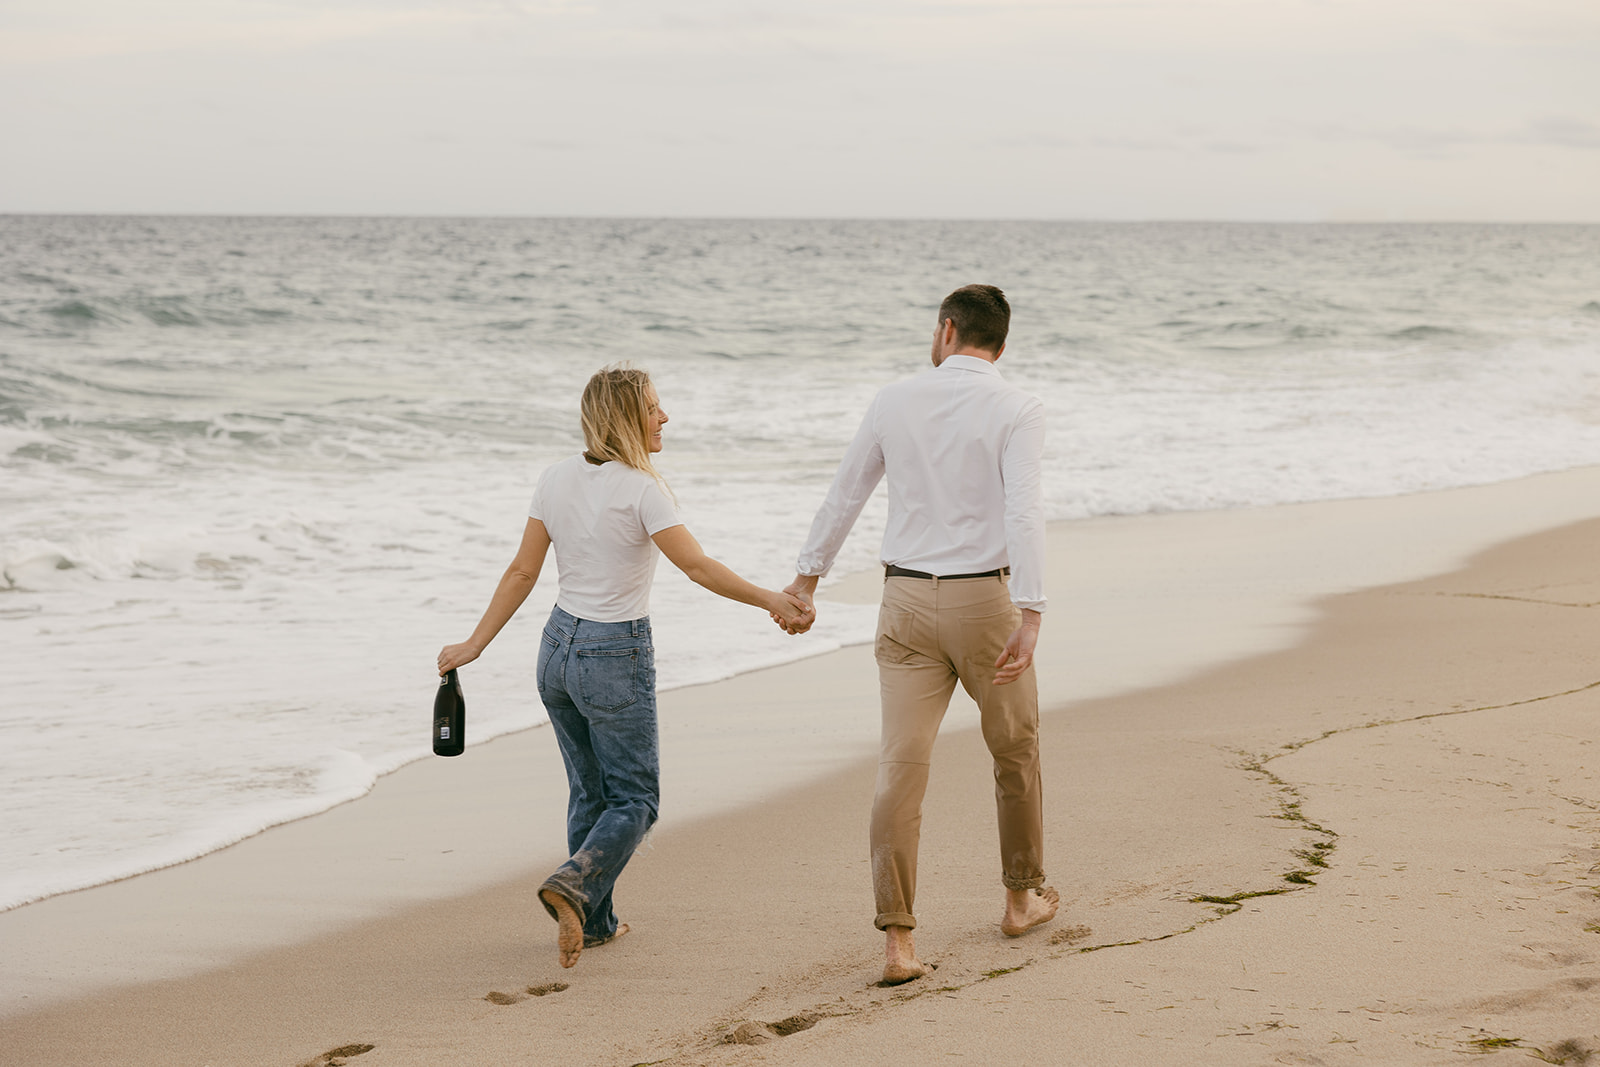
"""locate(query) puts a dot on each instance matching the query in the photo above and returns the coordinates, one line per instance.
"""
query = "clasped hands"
(803, 592)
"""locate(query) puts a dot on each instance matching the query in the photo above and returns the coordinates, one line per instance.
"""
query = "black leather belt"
(891, 571)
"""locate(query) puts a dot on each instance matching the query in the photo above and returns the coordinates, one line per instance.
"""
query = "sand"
(1305, 805)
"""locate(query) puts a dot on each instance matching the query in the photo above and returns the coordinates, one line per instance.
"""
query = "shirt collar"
(969, 363)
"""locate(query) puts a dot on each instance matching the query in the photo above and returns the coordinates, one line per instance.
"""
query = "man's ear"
(1000, 351)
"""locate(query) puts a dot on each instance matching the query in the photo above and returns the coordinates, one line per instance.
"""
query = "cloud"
(92, 31)
(1554, 131)
(1561, 132)
(1179, 143)
(1429, 142)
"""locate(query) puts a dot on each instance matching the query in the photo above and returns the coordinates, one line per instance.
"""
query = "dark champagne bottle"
(449, 717)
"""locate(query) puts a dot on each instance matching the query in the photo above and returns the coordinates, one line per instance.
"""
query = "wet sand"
(1360, 829)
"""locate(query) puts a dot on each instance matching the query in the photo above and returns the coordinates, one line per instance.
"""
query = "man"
(961, 449)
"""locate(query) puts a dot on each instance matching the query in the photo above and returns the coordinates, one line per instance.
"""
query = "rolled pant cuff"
(565, 894)
(895, 918)
(1032, 882)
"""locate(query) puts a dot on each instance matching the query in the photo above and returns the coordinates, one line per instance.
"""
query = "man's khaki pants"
(933, 632)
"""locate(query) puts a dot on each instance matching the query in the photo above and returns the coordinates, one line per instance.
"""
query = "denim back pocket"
(608, 679)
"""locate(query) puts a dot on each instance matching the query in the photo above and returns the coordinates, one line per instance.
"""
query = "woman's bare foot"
(569, 937)
(1027, 908)
(900, 963)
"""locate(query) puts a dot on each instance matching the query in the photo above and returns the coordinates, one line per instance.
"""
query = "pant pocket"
(894, 641)
(548, 647)
(608, 679)
(984, 636)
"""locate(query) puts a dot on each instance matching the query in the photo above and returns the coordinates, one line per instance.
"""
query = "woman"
(606, 513)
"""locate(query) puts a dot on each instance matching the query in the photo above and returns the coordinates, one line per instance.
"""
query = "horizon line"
(1071, 220)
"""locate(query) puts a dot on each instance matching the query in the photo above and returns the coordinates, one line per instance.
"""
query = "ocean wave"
(76, 311)
(25, 568)
(41, 451)
(227, 310)
(1423, 333)
(36, 566)
(213, 541)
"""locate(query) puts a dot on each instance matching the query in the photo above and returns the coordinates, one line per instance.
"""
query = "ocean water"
(254, 472)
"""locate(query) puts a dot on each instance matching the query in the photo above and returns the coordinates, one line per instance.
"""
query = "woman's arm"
(515, 585)
(679, 545)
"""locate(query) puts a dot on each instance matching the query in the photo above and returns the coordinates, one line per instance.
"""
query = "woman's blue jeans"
(598, 682)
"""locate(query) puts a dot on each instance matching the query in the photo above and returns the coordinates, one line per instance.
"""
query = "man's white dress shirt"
(962, 449)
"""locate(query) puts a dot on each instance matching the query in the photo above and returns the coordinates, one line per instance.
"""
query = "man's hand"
(803, 589)
(1019, 649)
(792, 614)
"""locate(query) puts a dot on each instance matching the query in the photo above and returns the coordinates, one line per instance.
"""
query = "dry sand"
(1376, 842)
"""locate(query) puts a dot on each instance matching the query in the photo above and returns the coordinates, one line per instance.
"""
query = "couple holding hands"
(963, 598)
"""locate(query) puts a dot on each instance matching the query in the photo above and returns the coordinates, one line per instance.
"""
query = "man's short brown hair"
(981, 316)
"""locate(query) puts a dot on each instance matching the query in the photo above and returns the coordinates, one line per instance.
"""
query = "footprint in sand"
(335, 1057)
(546, 989)
(756, 1032)
(1070, 935)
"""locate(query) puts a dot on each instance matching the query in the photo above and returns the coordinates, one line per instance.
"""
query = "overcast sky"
(1119, 109)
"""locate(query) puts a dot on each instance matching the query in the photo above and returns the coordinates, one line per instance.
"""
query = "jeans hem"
(566, 895)
(895, 918)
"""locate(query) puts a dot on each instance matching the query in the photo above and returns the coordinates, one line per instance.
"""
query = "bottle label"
(444, 733)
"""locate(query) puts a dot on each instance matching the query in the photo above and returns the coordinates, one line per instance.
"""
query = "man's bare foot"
(569, 937)
(1027, 908)
(621, 929)
(900, 963)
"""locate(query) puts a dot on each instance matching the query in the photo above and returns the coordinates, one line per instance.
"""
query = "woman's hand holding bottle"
(453, 656)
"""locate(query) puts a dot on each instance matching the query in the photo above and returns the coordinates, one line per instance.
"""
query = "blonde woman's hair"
(616, 418)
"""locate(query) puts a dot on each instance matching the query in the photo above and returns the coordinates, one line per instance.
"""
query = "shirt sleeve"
(656, 512)
(1020, 465)
(859, 473)
(537, 505)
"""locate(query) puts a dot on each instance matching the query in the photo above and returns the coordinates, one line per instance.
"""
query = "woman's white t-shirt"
(600, 518)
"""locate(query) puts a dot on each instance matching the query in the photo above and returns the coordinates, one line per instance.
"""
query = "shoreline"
(1170, 549)
(313, 882)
